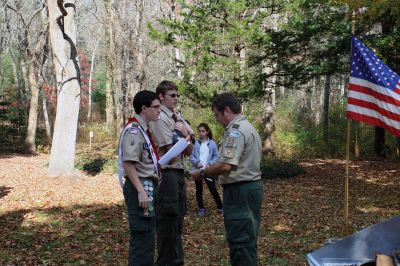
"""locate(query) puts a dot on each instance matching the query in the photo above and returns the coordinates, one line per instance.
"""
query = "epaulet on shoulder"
(235, 126)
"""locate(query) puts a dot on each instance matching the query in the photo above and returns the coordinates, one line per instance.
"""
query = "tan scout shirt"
(163, 131)
(241, 147)
(136, 150)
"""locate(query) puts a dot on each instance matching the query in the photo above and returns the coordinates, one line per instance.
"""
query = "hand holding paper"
(177, 149)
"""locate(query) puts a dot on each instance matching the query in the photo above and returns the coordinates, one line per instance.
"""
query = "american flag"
(374, 90)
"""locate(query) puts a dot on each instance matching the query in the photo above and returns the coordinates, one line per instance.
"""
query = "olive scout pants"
(171, 208)
(242, 217)
(142, 225)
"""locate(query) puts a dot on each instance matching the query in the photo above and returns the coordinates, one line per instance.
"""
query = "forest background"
(68, 68)
(287, 60)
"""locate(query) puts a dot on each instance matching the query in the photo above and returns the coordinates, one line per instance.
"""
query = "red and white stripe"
(374, 104)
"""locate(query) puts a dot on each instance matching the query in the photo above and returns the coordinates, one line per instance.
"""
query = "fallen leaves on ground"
(82, 220)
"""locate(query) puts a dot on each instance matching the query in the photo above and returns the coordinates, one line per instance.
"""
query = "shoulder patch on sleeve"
(234, 134)
(229, 152)
(133, 130)
(236, 126)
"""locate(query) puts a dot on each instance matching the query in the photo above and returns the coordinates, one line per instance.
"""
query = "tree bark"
(118, 64)
(109, 69)
(318, 100)
(327, 89)
(269, 112)
(92, 62)
(178, 54)
(65, 56)
(140, 73)
(46, 118)
(30, 145)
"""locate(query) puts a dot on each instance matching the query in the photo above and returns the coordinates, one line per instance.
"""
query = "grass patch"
(276, 261)
(24, 237)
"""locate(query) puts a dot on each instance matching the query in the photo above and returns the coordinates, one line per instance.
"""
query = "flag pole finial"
(353, 20)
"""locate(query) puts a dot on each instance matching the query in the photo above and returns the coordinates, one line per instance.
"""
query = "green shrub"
(94, 166)
(271, 168)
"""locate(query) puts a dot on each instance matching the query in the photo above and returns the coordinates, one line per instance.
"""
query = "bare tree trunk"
(118, 96)
(308, 109)
(139, 55)
(92, 62)
(46, 118)
(178, 55)
(118, 64)
(317, 95)
(109, 68)
(269, 121)
(327, 89)
(30, 146)
(269, 111)
(65, 55)
(25, 75)
(130, 92)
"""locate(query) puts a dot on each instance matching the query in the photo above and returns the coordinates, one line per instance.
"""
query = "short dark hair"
(144, 97)
(207, 128)
(226, 99)
(165, 86)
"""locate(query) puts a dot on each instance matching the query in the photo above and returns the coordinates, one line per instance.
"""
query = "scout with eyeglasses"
(171, 203)
(138, 158)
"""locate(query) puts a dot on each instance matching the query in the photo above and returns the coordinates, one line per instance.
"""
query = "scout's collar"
(238, 118)
(167, 111)
(141, 122)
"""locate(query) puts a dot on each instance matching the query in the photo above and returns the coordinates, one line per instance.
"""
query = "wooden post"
(90, 139)
(346, 183)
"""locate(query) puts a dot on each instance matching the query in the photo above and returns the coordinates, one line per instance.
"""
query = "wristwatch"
(202, 173)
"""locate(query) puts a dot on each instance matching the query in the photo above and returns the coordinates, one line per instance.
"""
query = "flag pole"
(346, 184)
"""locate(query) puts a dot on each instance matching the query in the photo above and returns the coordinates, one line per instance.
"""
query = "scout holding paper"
(171, 203)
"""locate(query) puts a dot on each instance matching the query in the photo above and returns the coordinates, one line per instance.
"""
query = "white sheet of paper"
(177, 149)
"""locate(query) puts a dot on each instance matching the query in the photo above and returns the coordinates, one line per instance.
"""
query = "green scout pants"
(242, 217)
(171, 208)
(142, 228)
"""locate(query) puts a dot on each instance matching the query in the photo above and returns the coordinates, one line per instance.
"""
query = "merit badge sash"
(149, 144)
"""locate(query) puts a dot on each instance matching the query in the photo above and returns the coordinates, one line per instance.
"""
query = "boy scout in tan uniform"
(141, 181)
(171, 200)
(240, 176)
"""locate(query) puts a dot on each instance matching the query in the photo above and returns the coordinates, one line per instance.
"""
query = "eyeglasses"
(173, 95)
(157, 107)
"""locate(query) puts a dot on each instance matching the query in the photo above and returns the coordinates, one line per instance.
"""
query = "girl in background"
(204, 154)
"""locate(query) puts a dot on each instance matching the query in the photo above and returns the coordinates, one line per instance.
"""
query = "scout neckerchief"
(150, 143)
